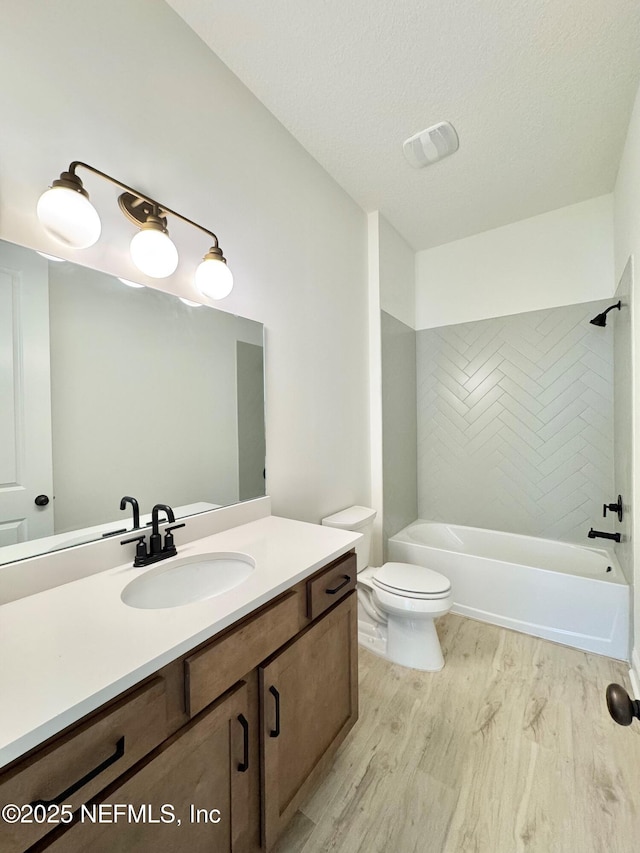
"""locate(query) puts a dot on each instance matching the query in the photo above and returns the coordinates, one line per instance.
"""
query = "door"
(309, 702)
(25, 395)
(191, 794)
(251, 435)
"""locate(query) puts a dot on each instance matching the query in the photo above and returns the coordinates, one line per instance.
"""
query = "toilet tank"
(359, 519)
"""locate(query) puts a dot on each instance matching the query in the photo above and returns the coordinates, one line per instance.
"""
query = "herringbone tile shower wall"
(515, 422)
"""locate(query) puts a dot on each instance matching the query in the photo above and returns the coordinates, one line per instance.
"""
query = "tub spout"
(599, 534)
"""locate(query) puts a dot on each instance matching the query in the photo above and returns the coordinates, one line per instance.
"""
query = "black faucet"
(155, 540)
(136, 509)
(157, 550)
(599, 534)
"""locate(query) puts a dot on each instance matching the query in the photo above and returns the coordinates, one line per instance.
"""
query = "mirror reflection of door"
(25, 397)
(251, 438)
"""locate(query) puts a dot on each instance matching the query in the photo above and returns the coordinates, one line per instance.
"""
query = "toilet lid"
(407, 578)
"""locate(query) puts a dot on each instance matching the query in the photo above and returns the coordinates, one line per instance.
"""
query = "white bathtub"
(562, 592)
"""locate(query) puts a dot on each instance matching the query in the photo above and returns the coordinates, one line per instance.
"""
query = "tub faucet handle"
(617, 508)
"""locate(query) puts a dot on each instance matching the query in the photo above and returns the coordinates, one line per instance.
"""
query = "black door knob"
(621, 706)
(41, 500)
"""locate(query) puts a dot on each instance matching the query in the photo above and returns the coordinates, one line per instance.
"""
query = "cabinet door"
(199, 774)
(309, 702)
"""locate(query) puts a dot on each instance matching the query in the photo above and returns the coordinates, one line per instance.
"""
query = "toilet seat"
(406, 579)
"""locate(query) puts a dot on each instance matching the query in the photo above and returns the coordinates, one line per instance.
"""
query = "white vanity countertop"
(66, 651)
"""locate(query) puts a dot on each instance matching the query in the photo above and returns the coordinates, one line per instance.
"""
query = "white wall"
(399, 425)
(397, 274)
(391, 276)
(129, 88)
(559, 258)
(627, 245)
(375, 384)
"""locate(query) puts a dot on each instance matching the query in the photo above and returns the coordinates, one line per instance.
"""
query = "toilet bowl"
(397, 602)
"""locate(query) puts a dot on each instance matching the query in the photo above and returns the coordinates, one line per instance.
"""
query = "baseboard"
(634, 673)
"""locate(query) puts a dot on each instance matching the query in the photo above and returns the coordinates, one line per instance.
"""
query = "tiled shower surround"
(515, 423)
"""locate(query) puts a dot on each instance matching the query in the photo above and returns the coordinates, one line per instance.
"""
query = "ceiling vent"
(431, 145)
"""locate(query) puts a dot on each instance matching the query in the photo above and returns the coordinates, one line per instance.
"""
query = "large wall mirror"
(109, 390)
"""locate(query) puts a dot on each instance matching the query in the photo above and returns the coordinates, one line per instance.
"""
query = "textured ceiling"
(540, 92)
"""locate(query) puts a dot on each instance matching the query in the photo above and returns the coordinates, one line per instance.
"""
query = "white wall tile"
(515, 422)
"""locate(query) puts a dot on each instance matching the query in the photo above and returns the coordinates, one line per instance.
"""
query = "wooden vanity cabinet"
(243, 726)
(212, 669)
(309, 702)
(77, 765)
(193, 792)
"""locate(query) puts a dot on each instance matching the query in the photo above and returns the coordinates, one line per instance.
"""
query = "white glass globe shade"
(69, 217)
(153, 253)
(190, 303)
(130, 283)
(50, 257)
(214, 279)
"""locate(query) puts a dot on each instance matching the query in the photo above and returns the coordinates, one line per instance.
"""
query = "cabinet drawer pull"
(243, 766)
(119, 752)
(346, 580)
(275, 732)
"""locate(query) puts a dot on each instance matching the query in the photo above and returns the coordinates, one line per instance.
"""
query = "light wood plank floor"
(510, 748)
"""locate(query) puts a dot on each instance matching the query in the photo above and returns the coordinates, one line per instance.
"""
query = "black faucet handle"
(141, 549)
(169, 544)
(133, 539)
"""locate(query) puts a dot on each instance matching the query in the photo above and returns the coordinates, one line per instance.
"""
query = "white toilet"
(398, 602)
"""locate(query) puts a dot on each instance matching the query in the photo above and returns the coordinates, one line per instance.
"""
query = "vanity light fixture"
(214, 279)
(190, 303)
(68, 216)
(152, 250)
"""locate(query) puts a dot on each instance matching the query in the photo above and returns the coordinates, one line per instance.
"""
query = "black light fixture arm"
(137, 198)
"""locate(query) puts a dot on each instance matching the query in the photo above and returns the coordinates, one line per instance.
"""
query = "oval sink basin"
(187, 580)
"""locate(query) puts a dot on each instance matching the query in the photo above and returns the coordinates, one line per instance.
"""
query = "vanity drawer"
(216, 667)
(79, 764)
(330, 585)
